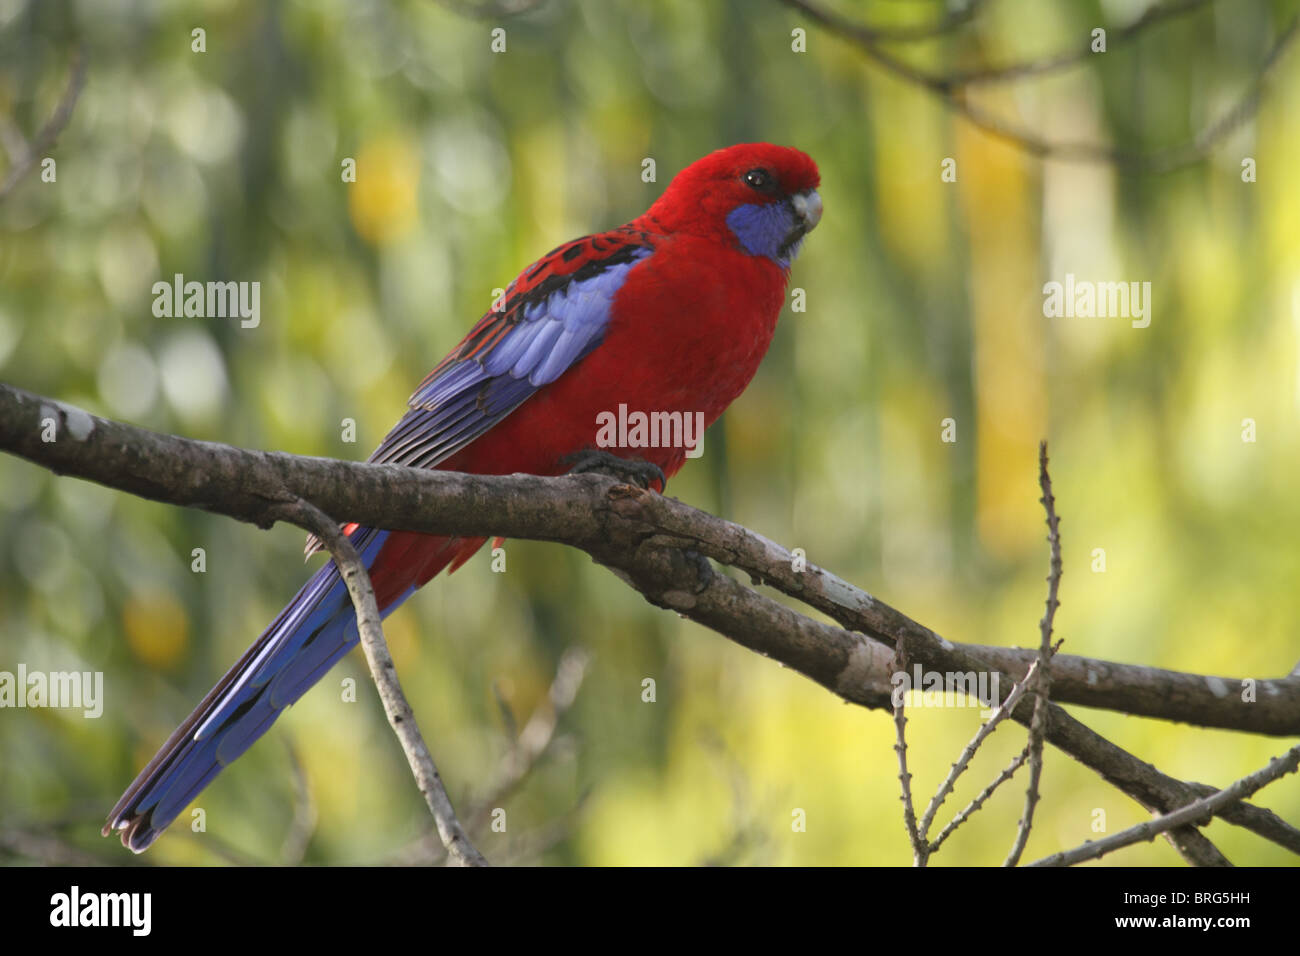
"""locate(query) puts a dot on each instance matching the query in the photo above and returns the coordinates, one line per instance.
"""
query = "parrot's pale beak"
(807, 208)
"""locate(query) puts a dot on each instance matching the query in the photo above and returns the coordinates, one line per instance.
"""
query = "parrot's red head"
(760, 197)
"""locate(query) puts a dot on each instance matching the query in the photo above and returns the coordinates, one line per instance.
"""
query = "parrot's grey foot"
(631, 470)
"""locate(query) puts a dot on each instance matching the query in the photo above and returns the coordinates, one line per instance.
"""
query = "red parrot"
(670, 313)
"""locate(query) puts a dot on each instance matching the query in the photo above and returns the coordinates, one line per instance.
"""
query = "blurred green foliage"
(924, 302)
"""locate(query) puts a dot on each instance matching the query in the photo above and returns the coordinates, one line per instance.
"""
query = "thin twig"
(1197, 812)
(1002, 712)
(303, 823)
(307, 516)
(904, 778)
(538, 734)
(969, 810)
(53, 127)
(1163, 160)
(1115, 36)
(952, 89)
(1043, 679)
(870, 38)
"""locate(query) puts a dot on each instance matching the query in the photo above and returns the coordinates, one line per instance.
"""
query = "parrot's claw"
(631, 470)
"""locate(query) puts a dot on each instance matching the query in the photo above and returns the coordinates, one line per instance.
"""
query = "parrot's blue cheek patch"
(762, 230)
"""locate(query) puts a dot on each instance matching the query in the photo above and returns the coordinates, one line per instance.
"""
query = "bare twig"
(1001, 713)
(1007, 773)
(1042, 683)
(538, 734)
(52, 128)
(904, 777)
(1199, 811)
(310, 518)
(303, 824)
(1115, 36)
(870, 39)
(953, 89)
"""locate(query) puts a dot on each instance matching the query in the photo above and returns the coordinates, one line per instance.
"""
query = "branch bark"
(1201, 809)
(648, 541)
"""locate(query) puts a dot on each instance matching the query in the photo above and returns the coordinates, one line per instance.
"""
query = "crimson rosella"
(670, 313)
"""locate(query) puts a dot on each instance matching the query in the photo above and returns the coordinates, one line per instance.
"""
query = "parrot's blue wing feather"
(553, 315)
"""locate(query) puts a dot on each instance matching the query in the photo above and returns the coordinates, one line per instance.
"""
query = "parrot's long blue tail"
(311, 634)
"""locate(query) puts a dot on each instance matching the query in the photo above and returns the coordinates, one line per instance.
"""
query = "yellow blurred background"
(924, 303)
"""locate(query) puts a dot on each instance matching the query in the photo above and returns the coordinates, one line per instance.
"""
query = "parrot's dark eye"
(759, 179)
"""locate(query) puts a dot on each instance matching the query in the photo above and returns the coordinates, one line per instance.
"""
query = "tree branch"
(1201, 810)
(953, 88)
(869, 38)
(639, 535)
